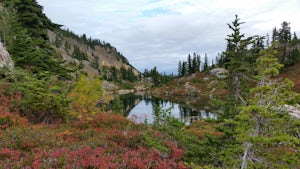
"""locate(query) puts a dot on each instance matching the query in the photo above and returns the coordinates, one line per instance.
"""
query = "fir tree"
(184, 69)
(179, 69)
(295, 38)
(27, 41)
(237, 64)
(275, 35)
(198, 63)
(263, 124)
(285, 32)
(205, 64)
(189, 65)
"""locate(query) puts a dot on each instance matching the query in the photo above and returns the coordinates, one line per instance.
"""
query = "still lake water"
(141, 109)
(144, 112)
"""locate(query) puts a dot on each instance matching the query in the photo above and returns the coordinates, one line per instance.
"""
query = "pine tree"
(27, 40)
(237, 64)
(184, 69)
(198, 63)
(285, 32)
(44, 98)
(194, 63)
(275, 35)
(295, 38)
(263, 124)
(205, 64)
(179, 69)
(189, 65)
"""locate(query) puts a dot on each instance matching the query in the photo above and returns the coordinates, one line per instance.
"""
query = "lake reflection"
(141, 109)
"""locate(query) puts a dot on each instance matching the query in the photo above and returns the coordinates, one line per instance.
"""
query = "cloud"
(162, 32)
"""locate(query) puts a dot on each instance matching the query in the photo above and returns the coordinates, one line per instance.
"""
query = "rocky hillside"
(92, 59)
(37, 44)
(194, 91)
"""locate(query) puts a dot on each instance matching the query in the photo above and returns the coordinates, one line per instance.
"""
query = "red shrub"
(9, 115)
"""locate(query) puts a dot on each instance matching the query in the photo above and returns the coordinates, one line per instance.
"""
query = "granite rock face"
(5, 59)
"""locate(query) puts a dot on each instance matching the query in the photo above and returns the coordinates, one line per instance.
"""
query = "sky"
(163, 32)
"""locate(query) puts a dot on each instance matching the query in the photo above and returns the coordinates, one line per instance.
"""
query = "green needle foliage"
(264, 126)
(237, 64)
(25, 34)
(43, 97)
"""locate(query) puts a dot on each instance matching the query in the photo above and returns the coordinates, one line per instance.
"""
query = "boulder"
(125, 91)
(191, 90)
(107, 86)
(219, 72)
(293, 111)
(5, 59)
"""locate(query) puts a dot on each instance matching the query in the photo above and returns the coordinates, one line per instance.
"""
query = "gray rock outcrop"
(293, 111)
(219, 72)
(5, 59)
(107, 86)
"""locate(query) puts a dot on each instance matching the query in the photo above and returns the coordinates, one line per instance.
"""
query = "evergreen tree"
(205, 64)
(77, 54)
(263, 124)
(198, 63)
(31, 16)
(184, 69)
(295, 38)
(221, 60)
(179, 69)
(237, 64)
(257, 46)
(27, 41)
(285, 32)
(275, 35)
(189, 65)
(195, 64)
(44, 98)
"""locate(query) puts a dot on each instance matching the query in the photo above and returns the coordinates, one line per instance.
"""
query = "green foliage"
(158, 79)
(96, 42)
(58, 41)
(119, 75)
(263, 124)
(192, 65)
(43, 97)
(288, 53)
(95, 62)
(78, 54)
(127, 74)
(205, 64)
(197, 151)
(26, 38)
(238, 66)
(85, 94)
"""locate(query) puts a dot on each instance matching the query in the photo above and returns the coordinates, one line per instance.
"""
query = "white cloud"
(162, 32)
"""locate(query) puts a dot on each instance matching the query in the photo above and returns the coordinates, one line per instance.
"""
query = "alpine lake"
(142, 108)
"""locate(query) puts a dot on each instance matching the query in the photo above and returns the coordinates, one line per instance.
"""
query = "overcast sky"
(162, 32)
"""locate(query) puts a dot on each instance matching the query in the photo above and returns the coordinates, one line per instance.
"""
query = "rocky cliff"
(98, 57)
(5, 60)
